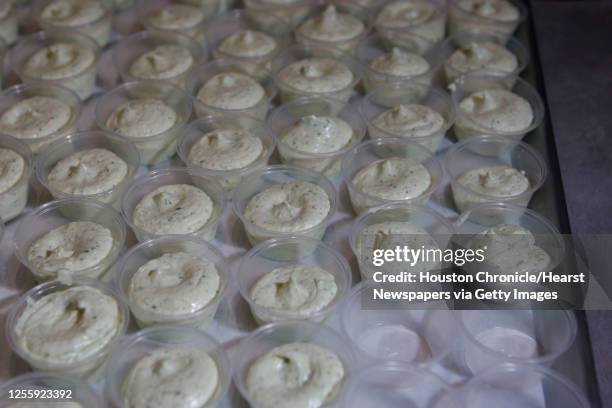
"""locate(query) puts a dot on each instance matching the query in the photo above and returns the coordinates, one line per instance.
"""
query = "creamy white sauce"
(500, 10)
(295, 375)
(402, 14)
(174, 284)
(68, 326)
(497, 181)
(494, 110)
(176, 17)
(484, 57)
(317, 75)
(60, 60)
(142, 118)
(410, 121)
(248, 44)
(231, 90)
(12, 169)
(394, 178)
(226, 149)
(72, 13)
(288, 207)
(297, 291)
(511, 248)
(318, 134)
(88, 172)
(35, 117)
(162, 62)
(173, 209)
(71, 248)
(171, 377)
(400, 63)
(8, 22)
(332, 26)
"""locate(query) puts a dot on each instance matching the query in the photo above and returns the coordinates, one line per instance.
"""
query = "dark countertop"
(576, 52)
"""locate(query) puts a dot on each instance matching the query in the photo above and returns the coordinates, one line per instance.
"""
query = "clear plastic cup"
(348, 7)
(148, 11)
(293, 12)
(425, 218)
(68, 145)
(202, 73)
(88, 369)
(176, 175)
(421, 36)
(83, 83)
(459, 40)
(381, 331)
(133, 46)
(99, 29)
(394, 385)
(392, 95)
(492, 337)
(136, 346)
(142, 253)
(15, 199)
(156, 148)
(289, 113)
(290, 251)
(228, 179)
(209, 7)
(376, 46)
(465, 128)
(491, 151)
(60, 388)
(8, 24)
(274, 335)
(271, 175)
(520, 386)
(18, 93)
(236, 21)
(299, 52)
(461, 20)
(54, 214)
(368, 152)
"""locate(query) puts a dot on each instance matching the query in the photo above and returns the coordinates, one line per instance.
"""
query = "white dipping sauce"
(142, 118)
(400, 63)
(317, 75)
(226, 149)
(12, 168)
(411, 120)
(231, 90)
(162, 62)
(318, 134)
(332, 26)
(248, 44)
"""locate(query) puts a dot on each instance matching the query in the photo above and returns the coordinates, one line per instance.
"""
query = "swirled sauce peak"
(400, 63)
(410, 121)
(318, 134)
(248, 44)
(332, 26)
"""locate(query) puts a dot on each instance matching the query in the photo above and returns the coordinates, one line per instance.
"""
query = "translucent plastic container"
(159, 147)
(293, 12)
(271, 175)
(422, 35)
(202, 73)
(177, 175)
(142, 253)
(371, 151)
(229, 179)
(394, 385)
(351, 8)
(284, 252)
(299, 52)
(133, 46)
(88, 369)
(54, 214)
(392, 95)
(425, 218)
(8, 25)
(240, 20)
(83, 83)
(458, 41)
(15, 199)
(136, 346)
(374, 47)
(492, 151)
(537, 337)
(461, 20)
(151, 10)
(384, 331)
(464, 127)
(98, 29)
(290, 113)
(18, 93)
(274, 335)
(3, 51)
(58, 387)
(520, 386)
(68, 145)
